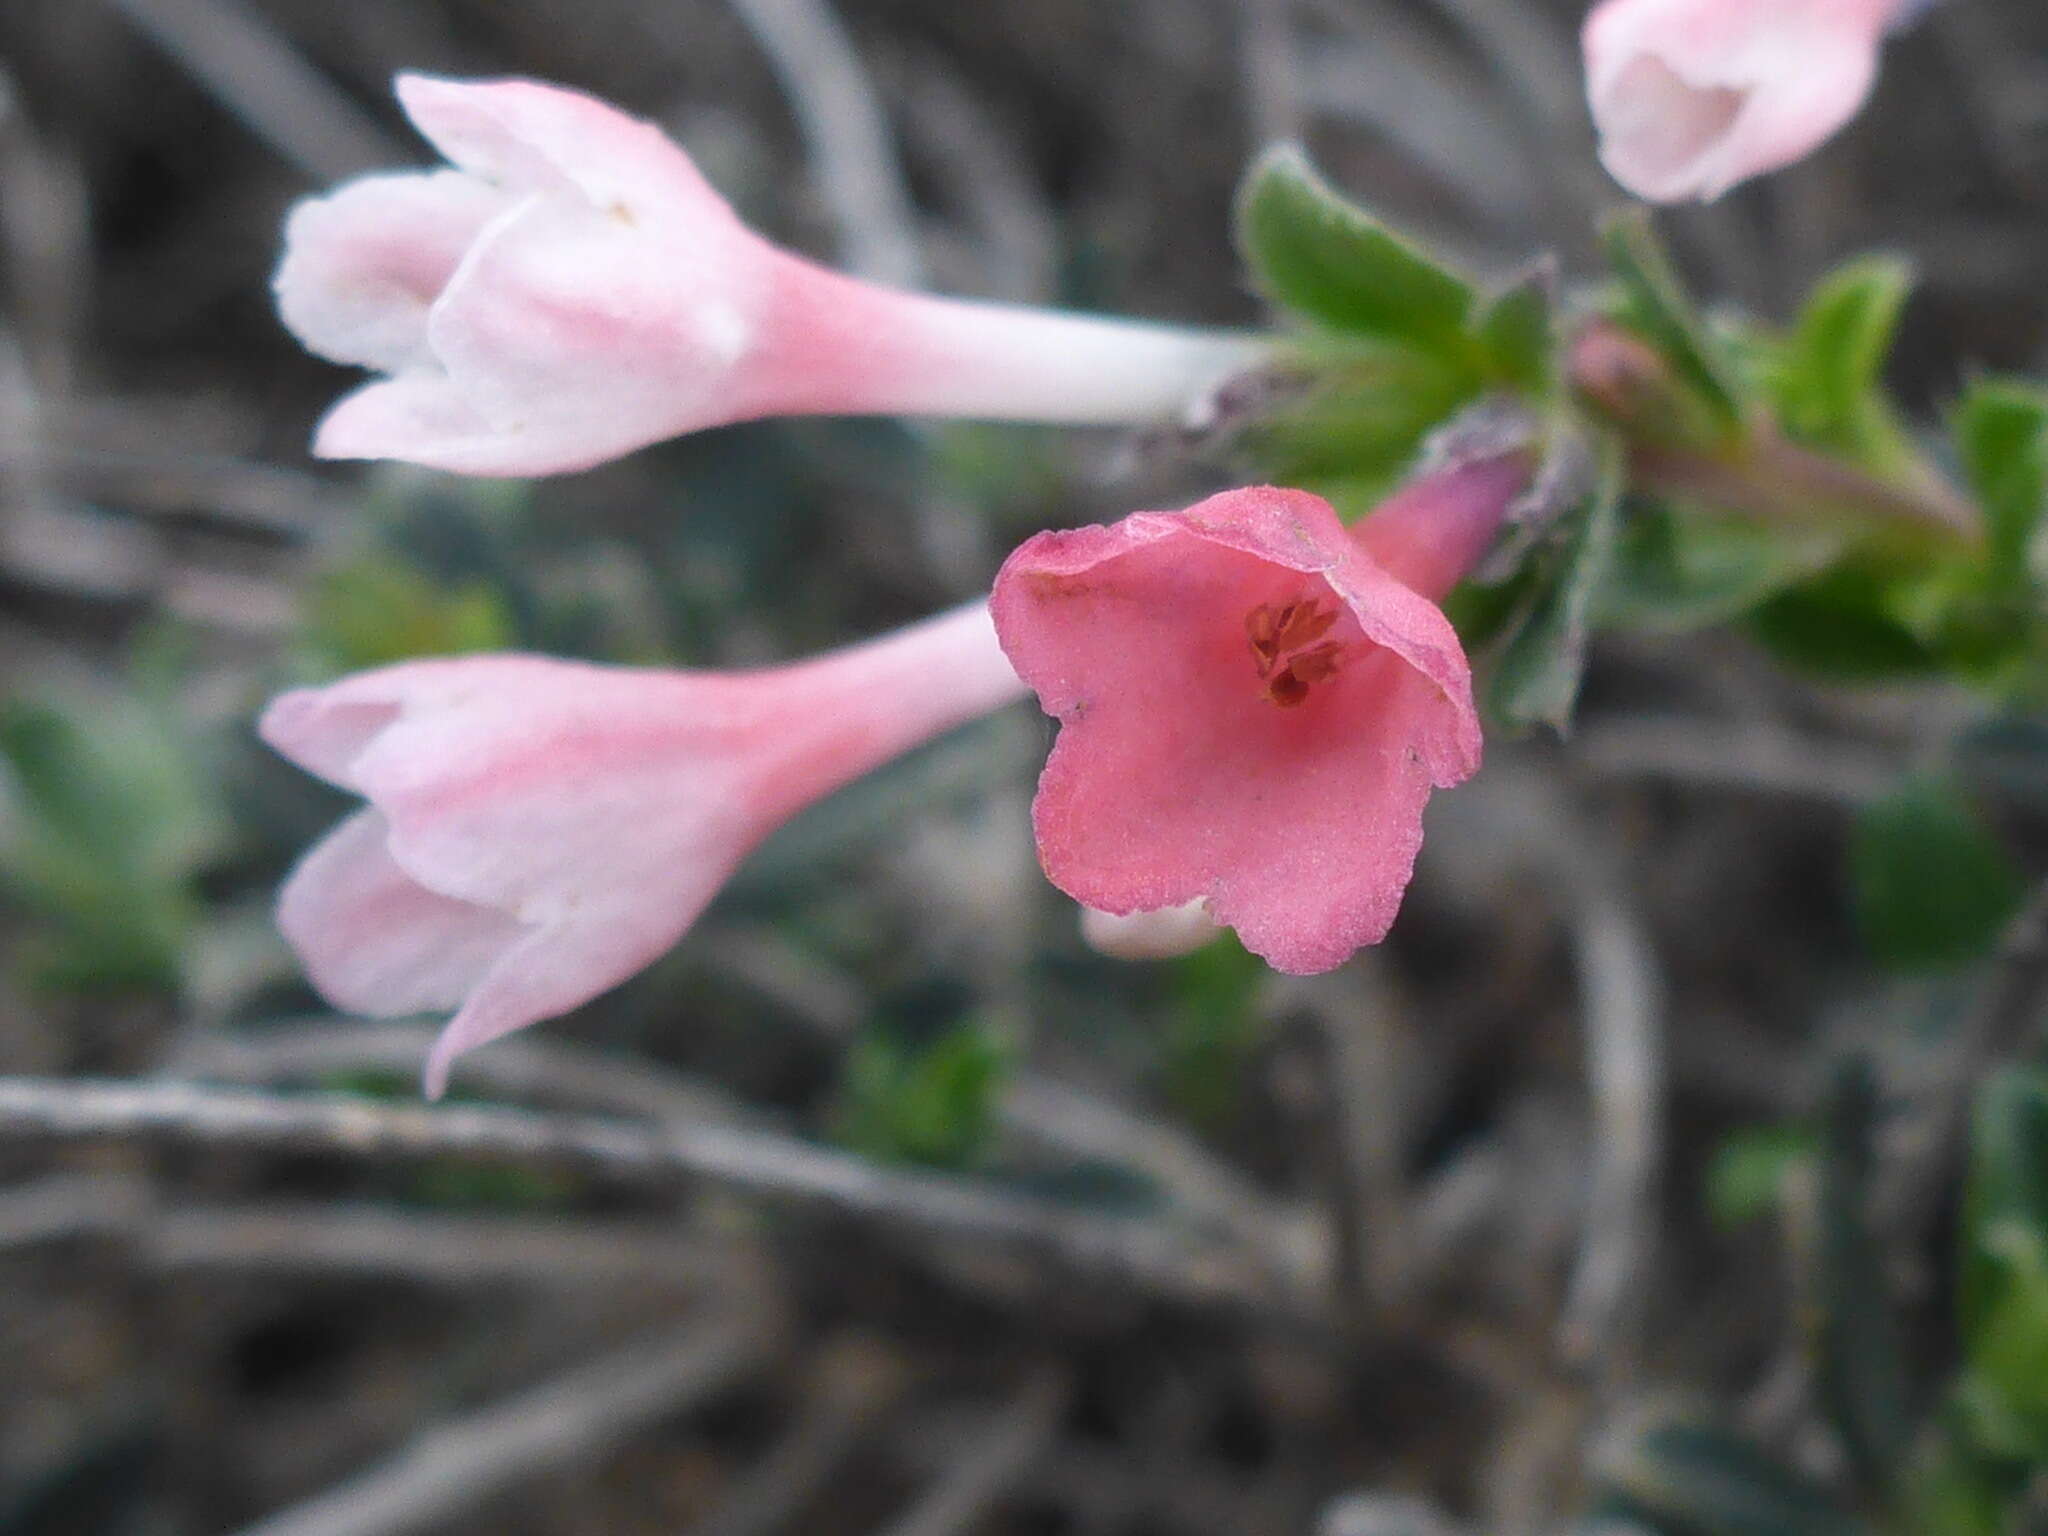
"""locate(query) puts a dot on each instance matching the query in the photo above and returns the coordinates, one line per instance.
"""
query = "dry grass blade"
(255, 73)
(848, 135)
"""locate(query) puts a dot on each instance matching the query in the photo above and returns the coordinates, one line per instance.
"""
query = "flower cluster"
(1254, 699)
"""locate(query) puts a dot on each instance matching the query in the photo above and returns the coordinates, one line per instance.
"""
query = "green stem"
(1770, 478)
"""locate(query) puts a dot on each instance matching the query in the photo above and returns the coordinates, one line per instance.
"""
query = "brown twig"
(549, 1071)
(457, 1465)
(1147, 1257)
(1622, 1005)
(1013, 1439)
(1735, 755)
(1035, 1107)
(451, 1250)
(853, 1381)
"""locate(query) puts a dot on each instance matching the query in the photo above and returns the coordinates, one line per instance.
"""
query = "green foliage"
(1317, 253)
(1859, 1355)
(1212, 1028)
(1690, 1479)
(1845, 626)
(2001, 434)
(1542, 657)
(1516, 332)
(1933, 889)
(112, 815)
(1746, 1179)
(379, 608)
(1991, 1439)
(1826, 379)
(1357, 428)
(1394, 344)
(932, 1103)
(2002, 1290)
(1654, 304)
(1953, 1491)
(1680, 568)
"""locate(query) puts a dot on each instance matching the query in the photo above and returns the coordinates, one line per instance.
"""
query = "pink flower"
(1254, 703)
(539, 830)
(573, 289)
(1694, 96)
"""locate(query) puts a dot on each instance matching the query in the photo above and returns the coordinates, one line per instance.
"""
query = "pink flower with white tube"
(573, 289)
(1254, 703)
(539, 830)
(1693, 96)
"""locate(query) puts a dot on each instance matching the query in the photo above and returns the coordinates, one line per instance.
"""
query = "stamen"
(1287, 690)
(1294, 627)
(1314, 665)
(1302, 623)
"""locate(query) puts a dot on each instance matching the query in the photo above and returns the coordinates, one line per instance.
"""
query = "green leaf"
(1828, 379)
(1954, 1491)
(1701, 1481)
(1859, 1354)
(1933, 890)
(1655, 305)
(1844, 626)
(932, 1103)
(2007, 1381)
(1212, 1028)
(1356, 432)
(1536, 677)
(1317, 253)
(1747, 1176)
(1517, 334)
(114, 817)
(2001, 433)
(2001, 1291)
(379, 609)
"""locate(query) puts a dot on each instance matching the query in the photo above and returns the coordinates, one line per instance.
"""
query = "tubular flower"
(1693, 96)
(572, 289)
(539, 830)
(1254, 703)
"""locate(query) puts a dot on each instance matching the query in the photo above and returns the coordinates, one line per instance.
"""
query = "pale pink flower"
(572, 289)
(1254, 703)
(1694, 96)
(539, 830)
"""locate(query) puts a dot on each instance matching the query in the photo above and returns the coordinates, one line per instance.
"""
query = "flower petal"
(376, 941)
(362, 265)
(586, 345)
(527, 135)
(422, 418)
(1694, 96)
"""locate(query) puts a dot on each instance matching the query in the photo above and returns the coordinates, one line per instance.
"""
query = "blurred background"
(1417, 1247)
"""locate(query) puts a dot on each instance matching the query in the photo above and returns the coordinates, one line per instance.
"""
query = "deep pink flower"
(1254, 703)
(1694, 96)
(539, 830)
(573, 289)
